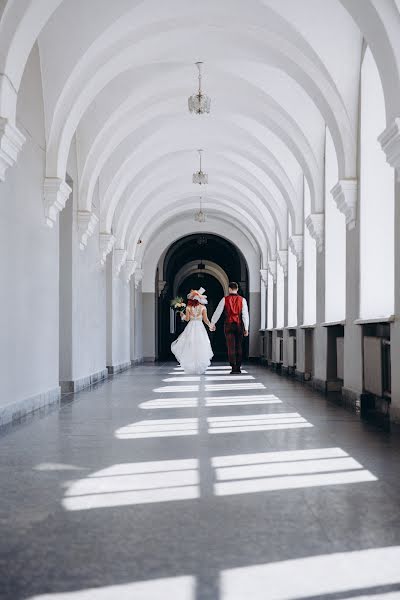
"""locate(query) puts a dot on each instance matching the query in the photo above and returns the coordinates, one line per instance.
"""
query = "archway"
(197, 260)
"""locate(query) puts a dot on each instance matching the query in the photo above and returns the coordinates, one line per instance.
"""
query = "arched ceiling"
(116, 77)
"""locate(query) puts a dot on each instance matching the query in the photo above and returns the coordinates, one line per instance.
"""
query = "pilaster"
(283, 261)
(272, 269)
(263, 300)
(138, 277)
(390, 143)
(106, 244)
(11, 142)
(119, 259)
(316, 226)
(345, 195)
(129, 269)
(55, 194)
(87, 222)
(296, 245)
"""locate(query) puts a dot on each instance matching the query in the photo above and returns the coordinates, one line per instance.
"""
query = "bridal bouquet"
(178, 304)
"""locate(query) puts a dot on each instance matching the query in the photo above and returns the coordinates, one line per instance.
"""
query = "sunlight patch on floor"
(157, 428)
(331, 575)
(169, 403)
(221, 387)
(176, 588)
(271, 471)
(173, 389)
(135, 483)
(209, 372)
(242, 400)
(261, 422)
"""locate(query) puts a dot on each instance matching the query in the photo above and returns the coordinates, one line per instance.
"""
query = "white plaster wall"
(90, 356)
(82, 293)
(118, 317)
(138, 325)
(376, 202)
(28, 260)
(335, 242)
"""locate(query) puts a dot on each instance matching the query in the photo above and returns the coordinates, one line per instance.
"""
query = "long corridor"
(159, 486)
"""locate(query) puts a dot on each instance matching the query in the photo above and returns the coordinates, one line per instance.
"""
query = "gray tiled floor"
(236, 500)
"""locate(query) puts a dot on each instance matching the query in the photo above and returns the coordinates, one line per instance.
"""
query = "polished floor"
(160, 486)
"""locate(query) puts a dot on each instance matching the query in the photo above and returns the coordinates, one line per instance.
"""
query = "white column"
(264, 285)
(316, 227)
(395, 327)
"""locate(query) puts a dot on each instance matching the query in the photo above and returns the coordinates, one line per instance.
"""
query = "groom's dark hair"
(233, 285)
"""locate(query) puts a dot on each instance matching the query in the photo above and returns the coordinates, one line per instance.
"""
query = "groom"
(236, 324)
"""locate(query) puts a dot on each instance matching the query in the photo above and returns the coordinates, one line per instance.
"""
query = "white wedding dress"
(192, 348)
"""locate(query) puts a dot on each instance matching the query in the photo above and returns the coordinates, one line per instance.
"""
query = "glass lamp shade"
(200, 177)
(200, 217)
(199, 104)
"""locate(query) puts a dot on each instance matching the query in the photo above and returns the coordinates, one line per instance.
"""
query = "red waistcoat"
(233, 308)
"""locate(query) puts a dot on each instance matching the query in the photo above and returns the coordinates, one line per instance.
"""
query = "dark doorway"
(199, 254)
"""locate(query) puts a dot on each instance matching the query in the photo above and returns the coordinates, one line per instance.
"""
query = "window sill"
(333, 323)
(389, 319)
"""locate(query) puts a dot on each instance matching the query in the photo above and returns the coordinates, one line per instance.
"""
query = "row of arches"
(299, 147)
(112, 55)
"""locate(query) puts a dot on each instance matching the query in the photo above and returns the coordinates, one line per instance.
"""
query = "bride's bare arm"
(205, 317)
(186, 316)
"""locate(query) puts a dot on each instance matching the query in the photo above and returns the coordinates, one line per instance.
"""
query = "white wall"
(280, 295)
(310, 267)
(270, 302)
(335, 242)
(28, 260)
(118, 317)
(292, 285)
(376, 202)
(82, 294)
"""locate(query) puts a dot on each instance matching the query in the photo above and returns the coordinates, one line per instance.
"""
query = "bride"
(192, 348)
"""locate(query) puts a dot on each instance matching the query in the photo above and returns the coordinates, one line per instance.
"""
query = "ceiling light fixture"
(199, 103)
(200, 216)
(200, 177)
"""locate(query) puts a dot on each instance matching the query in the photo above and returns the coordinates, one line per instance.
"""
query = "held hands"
(246, 334)
(212, 327)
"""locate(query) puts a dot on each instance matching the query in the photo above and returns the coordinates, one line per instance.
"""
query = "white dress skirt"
(192, 348)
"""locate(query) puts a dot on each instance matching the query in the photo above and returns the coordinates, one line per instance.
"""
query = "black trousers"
(234, 343)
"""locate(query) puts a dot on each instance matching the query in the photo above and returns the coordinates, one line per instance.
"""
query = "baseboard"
(149, 359)
(137, 361)
(114, 369)
(20, 409)
(351, 399)
(305, 377)
(320, 385)
(68, 387)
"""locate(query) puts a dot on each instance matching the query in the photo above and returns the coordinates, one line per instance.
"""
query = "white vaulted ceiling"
(116, 75)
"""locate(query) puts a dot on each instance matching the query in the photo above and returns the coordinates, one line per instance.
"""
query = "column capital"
(119, 256)
(138, 277)
(389, 140)
(11, 142)
(296, 244)
(283, 261)
(272, 269)
(87, 222)
(106, 244)
(264, 276)
(55, 194)
(345, 194)
(129, 269)
(316, 226)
